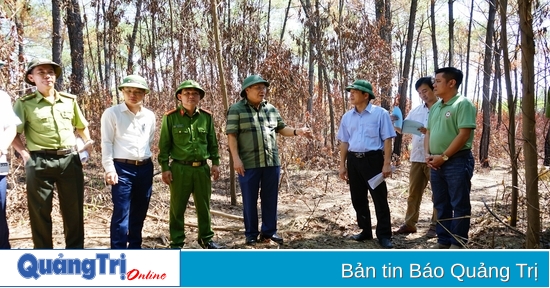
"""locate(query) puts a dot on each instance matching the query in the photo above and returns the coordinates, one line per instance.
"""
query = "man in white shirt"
(127, 132)
(8, 128)
(419, 174)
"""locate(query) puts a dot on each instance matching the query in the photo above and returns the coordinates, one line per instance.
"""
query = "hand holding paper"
(378, 179)
(412, 127)
(83, 149)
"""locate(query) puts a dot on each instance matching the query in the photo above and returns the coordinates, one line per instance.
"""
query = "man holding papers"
(419, 174)
(365, 135)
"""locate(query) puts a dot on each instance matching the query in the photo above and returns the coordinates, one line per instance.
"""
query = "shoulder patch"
(205, 111)
(171, 111)
(28, 97)
(67, 95)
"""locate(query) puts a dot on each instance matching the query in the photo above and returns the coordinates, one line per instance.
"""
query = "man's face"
(357, 97)
(189, 97)
(133, 96)
(43, 76)
(442, 86)
(426, 94)
(256, 93)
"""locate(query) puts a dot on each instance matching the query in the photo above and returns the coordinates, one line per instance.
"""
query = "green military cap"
(190, 84)
(251, 80)
(362, 85)
(135, 81)
(41, 61)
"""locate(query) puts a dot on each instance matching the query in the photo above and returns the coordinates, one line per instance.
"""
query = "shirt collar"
(184, 111)
(452, 100)
(367, 109)
(40, 97)
(248, 103)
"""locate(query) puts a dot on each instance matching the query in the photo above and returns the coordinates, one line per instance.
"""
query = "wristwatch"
(445, 157)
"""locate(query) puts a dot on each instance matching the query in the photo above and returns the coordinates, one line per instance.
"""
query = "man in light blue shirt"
(365, 135)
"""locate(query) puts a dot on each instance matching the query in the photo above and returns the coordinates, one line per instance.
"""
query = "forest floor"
(315, 212)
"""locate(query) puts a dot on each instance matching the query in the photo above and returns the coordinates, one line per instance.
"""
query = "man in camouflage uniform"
(48, 121)
(188, 137)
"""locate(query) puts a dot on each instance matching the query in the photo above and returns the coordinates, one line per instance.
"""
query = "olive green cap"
(251, 80)
(190, 84)
(362, 85)
(135, 81)
(41, 61)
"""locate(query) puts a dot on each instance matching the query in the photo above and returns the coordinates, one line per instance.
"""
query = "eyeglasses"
(259, 87)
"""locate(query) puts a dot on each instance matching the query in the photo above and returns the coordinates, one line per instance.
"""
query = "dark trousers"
(266, 181)
(360, 170)
(4, 230)
(130, 204)
(451, 194)
(64, 171)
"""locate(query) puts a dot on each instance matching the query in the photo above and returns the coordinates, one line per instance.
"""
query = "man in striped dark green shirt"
(252, 127)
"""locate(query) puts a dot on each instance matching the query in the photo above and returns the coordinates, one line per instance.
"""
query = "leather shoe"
(404, 229)
(275, 238)
(431, 233)
(385, 242)
(251, 241)
(361, 237)
(440, 246)
(211, 245)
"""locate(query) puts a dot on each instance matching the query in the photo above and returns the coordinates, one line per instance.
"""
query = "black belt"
(133, 162)
(365, 154)
(58, 152)
(191, 163)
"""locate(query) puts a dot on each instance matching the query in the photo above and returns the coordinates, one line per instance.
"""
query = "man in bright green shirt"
(48, 121)
(188, 138)
(448, 150)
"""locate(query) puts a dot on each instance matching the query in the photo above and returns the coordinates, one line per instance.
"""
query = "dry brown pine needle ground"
(315, 212)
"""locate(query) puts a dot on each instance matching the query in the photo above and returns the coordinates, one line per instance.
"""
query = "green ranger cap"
(41, 61)
(251, 80)
(362, 85)
(135, 81)
(190, 84)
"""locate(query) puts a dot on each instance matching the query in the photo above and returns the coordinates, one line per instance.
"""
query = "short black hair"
(424, 80)
(451, 73)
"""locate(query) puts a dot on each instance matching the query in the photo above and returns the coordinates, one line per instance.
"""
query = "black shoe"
(251, 241)
(275, 238)
(211, 245)
(361, 237)
(386, 243)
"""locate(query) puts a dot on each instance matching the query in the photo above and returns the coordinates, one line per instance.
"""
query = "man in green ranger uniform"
(188, 137)
(48, 121)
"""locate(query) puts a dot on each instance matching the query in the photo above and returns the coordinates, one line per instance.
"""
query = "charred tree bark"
(57, 40)
(132, 39)
(434, 39)
(486, 101)
(406, 72)
(76, 42)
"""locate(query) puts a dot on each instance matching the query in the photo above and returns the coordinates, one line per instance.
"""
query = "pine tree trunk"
(486, 101)
(529, 123)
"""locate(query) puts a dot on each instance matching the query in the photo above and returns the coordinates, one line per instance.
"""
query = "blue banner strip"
(364, 268)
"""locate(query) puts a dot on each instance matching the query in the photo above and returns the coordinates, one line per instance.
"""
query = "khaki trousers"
(419, 176)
